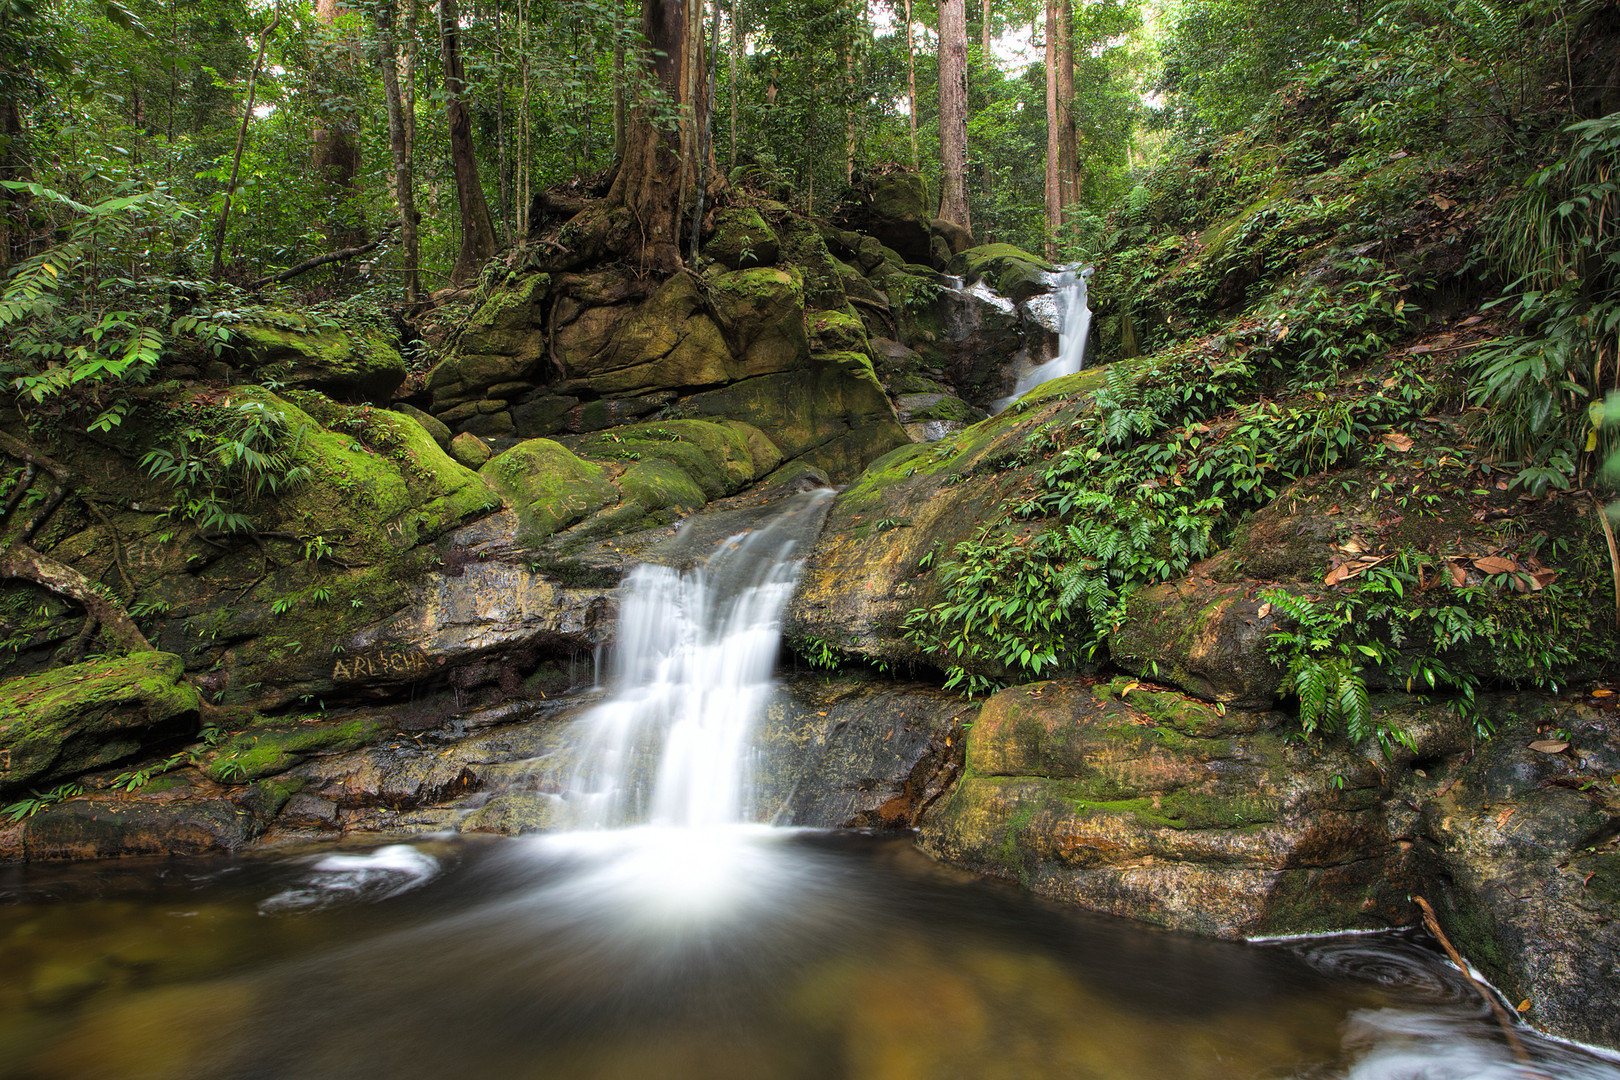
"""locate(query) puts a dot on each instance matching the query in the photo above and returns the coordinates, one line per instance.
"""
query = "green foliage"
(38, 800)
(227, 456)
(1557, 244)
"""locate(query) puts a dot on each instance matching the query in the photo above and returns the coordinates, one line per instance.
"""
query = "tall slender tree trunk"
(984, 33)
(1068, 139)
(849, 104)
(911, 86)
(241, 141)
(619, 114)
(953, 110)
(736, 46)
(523, 153)
(404, 182)
(659, 169)
(477, 234)
(1054, 152)
(336, 153)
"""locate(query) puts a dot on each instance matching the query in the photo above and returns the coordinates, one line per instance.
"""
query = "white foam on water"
(335, 879)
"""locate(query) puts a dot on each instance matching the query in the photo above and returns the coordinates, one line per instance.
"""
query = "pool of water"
(687, 953)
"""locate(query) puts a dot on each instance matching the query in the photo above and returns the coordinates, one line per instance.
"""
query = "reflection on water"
(708, 953)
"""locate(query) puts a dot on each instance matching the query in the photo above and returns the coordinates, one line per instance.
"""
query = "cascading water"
(1075, 321)
(692, 672)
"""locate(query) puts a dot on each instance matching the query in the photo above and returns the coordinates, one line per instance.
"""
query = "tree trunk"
(660, 166)
(1069, 142)
(953, 110)
(911, 86)
(619, 115)
(404, 183)
(336, 154)
(736, 46)
(477, 234)
(984, 31)
(1054, 153)
(241, 140)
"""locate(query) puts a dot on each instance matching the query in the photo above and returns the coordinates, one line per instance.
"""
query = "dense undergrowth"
(1255, 293)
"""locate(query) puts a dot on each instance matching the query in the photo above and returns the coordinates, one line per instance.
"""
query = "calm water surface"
(730, 952)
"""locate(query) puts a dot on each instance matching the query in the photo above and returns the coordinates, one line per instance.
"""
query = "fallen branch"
(1614, 554)
(341, 255)
(1433, 924)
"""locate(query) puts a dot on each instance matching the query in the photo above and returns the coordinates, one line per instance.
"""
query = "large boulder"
(1161, 808)
(350, 365)
(68, 721)
(891, 207)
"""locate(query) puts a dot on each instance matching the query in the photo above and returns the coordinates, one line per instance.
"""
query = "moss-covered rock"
(1011, 271)
(470, 450)
(439, 432)
(762, 313)
(1081, 794)
(741, 239)
(548, 486)
(716, 456)
(893, 208)
(85, 716)
(667, 341)
(348, 364)
(273, 748)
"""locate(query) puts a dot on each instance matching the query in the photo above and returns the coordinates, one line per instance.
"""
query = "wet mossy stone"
(837, 331)
(761, 313)
(264, 751)
(716, 456)
(85, 716)
(742, 239)
(350, 365)
(381, 482)
(1010, 271)
(893, 208)
(470, 450)
(502, 340)
(660, 485)
(549, 487)
(430, 424)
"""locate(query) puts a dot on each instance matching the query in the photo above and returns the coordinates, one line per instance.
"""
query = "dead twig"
(1432, 922)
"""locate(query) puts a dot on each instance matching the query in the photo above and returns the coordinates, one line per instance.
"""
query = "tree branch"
(341, 255)
(22, 561)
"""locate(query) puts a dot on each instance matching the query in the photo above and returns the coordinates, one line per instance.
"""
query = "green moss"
(80, 717)
(339, 361)
(261, 752)
(549, 487)
(716, 456)
(659, 484)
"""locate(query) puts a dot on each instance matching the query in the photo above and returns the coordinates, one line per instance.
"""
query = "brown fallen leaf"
(1549, 746)
(1603, 692)
(1524, 1006)
(1493, 564)
(1459, 575)
(1334, 509)
(1397, 441)
(1472, 320)
(1265, 609)
(1501, 819)
(1442, 202)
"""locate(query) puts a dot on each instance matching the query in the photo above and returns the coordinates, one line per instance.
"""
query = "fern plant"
(1323, 670)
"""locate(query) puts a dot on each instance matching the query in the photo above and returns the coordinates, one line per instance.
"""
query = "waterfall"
(691, 674)
(1075, 321)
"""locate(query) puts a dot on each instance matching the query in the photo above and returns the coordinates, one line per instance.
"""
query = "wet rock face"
(1158, 807)
(1533, 873)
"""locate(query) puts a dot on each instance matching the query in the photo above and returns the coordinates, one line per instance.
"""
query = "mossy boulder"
(741, 239)
(548, 486)
(716, 456)
(351, 365)
(470, 450)
(762, 315)
(81, 717)
(893, 208)
(274, 748)
(667, 341)
(501, 341)
(1081, 793)
(378, 482)
(1010, 271)
(430, 424)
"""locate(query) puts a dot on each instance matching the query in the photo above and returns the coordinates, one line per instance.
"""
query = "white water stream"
(1074, 314)
(692, 672)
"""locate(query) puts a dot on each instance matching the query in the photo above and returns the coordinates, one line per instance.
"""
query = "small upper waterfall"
(691, 674)
(1074, 314)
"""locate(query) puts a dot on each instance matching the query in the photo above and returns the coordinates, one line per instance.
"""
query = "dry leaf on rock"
(1549, 746)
